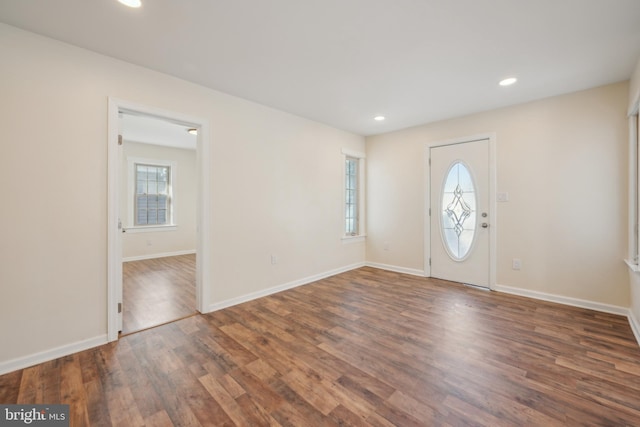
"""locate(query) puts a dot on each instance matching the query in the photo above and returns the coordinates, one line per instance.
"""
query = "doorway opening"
(158, 217)
(158, 214)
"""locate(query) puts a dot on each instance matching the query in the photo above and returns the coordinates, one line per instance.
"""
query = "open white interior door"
(118, 266)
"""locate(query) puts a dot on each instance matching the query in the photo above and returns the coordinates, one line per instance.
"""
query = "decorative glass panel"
(458, 211)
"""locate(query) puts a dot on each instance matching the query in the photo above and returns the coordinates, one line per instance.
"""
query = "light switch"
(502, 197)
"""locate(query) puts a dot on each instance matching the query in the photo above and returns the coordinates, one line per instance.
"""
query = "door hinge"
(119, 139)
(429, 262)
(119, 307)
(429, 161)
(429, 211)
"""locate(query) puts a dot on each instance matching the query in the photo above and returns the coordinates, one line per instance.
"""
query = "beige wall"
(158, 243)
(563, 161)
(275, 188)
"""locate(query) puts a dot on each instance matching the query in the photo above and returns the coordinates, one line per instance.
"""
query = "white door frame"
(429, 234)
(203, 214)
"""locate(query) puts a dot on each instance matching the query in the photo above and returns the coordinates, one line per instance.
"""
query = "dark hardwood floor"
(158, 291)
(363, 348)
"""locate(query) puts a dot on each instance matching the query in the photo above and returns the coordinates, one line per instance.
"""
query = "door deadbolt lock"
(485, 225)
(484, 214)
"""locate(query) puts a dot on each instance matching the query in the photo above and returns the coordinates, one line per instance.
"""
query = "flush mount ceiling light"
(508, 82)
(193, 131)
(379, 118)
(131, 3)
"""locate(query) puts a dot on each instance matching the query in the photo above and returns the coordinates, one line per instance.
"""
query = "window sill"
(354, 239)
(633, 267)
(151, 228)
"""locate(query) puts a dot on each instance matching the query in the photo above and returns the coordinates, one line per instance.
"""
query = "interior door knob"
(485, 225)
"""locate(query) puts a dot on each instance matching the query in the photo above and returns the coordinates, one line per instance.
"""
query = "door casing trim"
(428, 234)
(203, 209)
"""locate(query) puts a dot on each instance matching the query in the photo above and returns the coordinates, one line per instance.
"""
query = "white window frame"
(131, 195)
(360, 209)
(634, 190)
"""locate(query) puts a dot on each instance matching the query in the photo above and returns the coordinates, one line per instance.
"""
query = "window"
(634, 190)
(153, 198)
(353, 194)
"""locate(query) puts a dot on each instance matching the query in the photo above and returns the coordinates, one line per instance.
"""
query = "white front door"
(460, 220)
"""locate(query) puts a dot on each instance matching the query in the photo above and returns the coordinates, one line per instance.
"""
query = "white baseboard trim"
(635, 325)
(283, 287)
(160, 255)
(575, 302)
(396, 269)
(54, 353)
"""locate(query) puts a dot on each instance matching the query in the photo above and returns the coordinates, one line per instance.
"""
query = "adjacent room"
(158, 201)
(340, 213)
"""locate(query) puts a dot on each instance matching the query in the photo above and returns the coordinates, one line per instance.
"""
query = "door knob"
(485, 225)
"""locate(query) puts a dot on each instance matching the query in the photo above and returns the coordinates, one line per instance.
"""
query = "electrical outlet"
(516, 264)
(274, 259)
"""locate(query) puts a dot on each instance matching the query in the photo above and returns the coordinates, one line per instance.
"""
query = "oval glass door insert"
(458, 211)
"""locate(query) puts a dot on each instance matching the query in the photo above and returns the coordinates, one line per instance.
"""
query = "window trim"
(351, 196)
(360, 208)
(634, 190)
(131, 193)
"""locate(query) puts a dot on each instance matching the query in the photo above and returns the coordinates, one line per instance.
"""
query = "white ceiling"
(341, 62)
(151, 130)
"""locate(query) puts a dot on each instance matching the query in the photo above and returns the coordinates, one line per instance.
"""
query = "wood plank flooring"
(158, 291)
(363, 348)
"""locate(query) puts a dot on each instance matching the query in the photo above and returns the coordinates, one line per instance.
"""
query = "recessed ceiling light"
(379, 118)
(131, 3)
(193, 131)
(508, 82)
